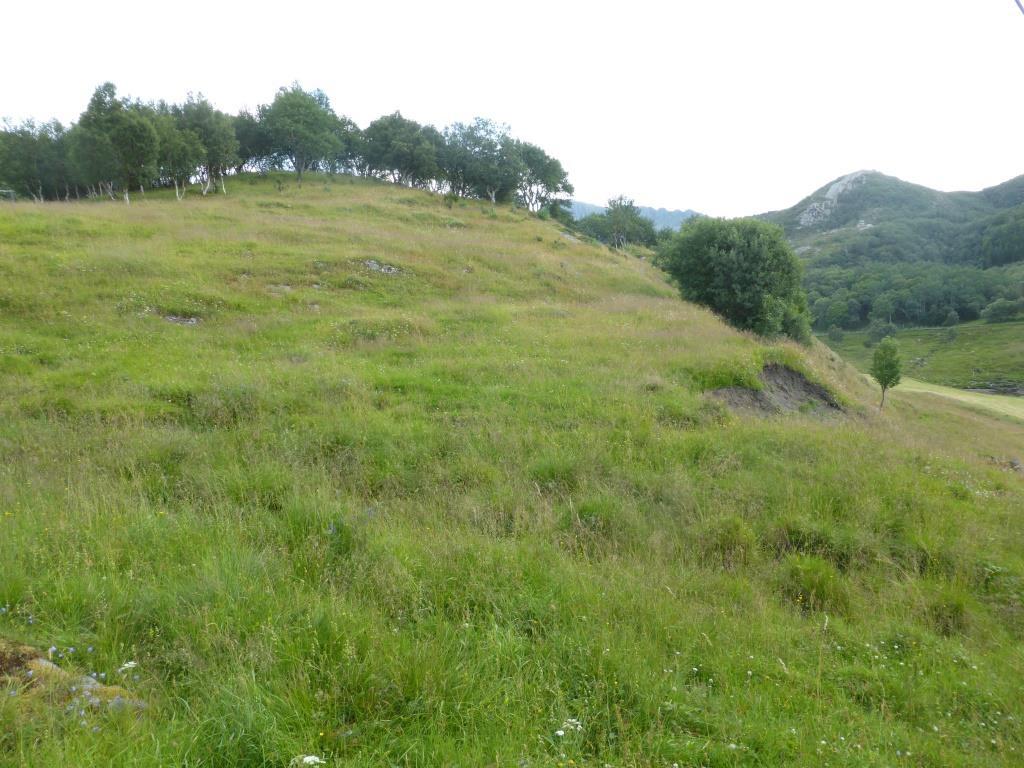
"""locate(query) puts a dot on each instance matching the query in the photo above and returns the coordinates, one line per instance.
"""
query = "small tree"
(885, 366)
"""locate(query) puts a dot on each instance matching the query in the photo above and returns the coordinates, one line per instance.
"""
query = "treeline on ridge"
(119, 145)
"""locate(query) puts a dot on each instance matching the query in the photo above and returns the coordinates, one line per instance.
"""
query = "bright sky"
(730, 108)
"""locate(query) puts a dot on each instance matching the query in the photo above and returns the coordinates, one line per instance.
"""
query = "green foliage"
(879, 330)
(1003, 310)
(835, 334)
(119, 144)
(886, 366)
(300, 126)
(401, 149)
(742, 269)
(216, 132)
(620, 225)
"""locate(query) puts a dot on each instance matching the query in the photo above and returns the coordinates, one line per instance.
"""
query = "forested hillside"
(880, 249)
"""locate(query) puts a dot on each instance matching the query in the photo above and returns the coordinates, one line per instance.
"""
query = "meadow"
(975, 355)
(347, 472)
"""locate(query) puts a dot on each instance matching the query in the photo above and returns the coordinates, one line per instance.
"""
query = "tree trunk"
(126, 200)
(223, 189)
(881, 405)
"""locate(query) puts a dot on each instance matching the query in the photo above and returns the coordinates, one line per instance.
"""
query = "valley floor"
(975, 355)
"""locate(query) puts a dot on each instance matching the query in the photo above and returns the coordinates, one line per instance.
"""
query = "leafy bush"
(744, 270)
(835, 334)
(1002, 310)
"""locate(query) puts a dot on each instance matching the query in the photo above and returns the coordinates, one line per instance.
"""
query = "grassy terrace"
(473, 510)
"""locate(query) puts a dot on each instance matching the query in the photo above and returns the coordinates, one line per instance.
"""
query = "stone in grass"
(25, 665)
(376, 266)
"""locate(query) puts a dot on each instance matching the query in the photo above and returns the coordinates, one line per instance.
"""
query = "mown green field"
(974, 355)
(473, 510)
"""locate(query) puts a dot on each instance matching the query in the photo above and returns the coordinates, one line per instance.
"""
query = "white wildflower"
(127, 666)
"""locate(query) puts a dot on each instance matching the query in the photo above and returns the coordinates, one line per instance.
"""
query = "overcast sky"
(727, 107)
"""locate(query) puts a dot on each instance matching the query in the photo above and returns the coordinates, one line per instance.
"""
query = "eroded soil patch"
(784, 391)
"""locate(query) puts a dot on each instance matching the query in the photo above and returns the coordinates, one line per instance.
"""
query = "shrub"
(814, 584)
(836, 335)
(1002, 310)
(744, 270)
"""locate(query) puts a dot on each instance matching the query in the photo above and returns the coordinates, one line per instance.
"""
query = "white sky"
(730, 108)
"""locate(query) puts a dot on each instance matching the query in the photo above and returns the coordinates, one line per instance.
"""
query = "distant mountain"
(868, 216)
(879, 248)
(662, 218)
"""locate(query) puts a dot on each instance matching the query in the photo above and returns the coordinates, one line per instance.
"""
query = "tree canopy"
(123, 145)
(621, 224)
(885, 366)
(744, 270)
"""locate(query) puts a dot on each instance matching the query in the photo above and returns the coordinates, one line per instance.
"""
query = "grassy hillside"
(349, 473)
(974, 355)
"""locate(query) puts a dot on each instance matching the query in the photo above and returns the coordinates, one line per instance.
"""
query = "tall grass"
(472, 512)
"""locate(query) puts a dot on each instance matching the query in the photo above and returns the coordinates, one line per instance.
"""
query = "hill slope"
(878, 248)
(871, 216)
(348, 473)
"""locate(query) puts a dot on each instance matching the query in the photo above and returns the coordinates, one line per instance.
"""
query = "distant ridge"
(877, 248)
(663, 218)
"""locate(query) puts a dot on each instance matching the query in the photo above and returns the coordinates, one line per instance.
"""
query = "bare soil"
(784, 391)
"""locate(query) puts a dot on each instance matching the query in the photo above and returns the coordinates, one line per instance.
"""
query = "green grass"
(435, 517)
(974, 355)
(1007, 405)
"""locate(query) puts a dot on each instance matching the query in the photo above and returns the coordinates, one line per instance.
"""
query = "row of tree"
(119, 145)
